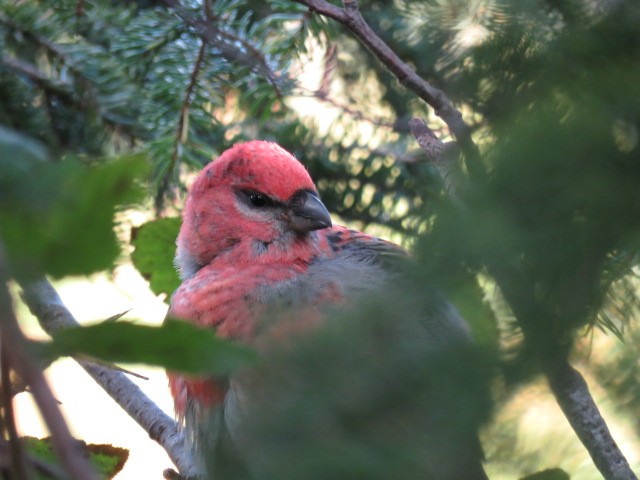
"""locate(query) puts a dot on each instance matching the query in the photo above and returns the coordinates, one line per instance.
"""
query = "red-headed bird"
(255, 233)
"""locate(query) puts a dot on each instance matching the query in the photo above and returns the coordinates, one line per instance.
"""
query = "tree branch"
(575, 400)
(350, 17)
(17, 454)
(58, 87)
(567, 384)
(438, 152)
(225, 42)
(46, 305)
(13, 341)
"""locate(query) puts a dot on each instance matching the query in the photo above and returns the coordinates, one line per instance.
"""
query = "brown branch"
(17, 454)
(80, 8)
(566, 383)
(350, 17)
(66, 447)
(46, 305)
(438, 152)
(572, 394)
(356, 114)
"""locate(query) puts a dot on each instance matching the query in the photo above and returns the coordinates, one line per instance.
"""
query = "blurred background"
(108, 109)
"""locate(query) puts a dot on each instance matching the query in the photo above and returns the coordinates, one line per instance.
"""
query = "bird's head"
(255, 195)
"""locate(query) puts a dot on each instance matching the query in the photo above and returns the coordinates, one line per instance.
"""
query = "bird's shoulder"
(347, 262)
(229, 295)
(339, 240)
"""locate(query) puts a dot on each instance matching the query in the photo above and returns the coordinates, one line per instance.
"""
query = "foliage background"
(108, 108)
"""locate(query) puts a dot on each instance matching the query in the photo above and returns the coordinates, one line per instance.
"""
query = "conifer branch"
(227, 43)
(182, 128)
(567, 384)
(60, 88)
(66, 91)
(350, 17)
(46, 305)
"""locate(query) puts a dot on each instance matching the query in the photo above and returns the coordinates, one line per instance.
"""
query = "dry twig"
(46, 305)
(350, 17)
(14, 343)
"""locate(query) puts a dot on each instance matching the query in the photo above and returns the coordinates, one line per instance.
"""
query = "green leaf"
(107, 460)
(83, 217)
(57, 218)
(155, 246)
(468, 298)
(176, 345)
(550, 474)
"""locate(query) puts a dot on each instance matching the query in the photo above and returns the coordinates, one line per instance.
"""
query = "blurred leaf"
(550, 474)
(468, 297)
(57, 218)
(107, 460)
(388, 389)
(176, 345)
(155, 246)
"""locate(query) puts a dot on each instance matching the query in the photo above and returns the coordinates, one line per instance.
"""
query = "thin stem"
(66, 447)
(45, 303)
(575, 400)
(566, 383)
(350, 17)
(18, 458)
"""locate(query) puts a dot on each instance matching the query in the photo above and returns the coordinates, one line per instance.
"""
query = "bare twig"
(46, 305)
(428, 141)
(356, 114)
(80, 8)
(575, 400)
(350, 17)
(17, 454)
(566, 383)
(65, 446)
(436, 150)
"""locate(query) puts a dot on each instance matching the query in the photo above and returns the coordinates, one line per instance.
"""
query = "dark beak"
(307, 213)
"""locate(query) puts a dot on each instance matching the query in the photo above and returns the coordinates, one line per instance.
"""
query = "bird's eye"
(257, 200)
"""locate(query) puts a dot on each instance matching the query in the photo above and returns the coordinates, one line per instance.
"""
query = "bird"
(256, 242)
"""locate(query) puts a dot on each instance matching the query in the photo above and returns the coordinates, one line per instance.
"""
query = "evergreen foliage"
(538, 241)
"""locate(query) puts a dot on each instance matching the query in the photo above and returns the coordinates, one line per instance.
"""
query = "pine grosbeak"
(255, 234)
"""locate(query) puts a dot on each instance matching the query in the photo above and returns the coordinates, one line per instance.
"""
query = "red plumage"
(233, 255)
(260, 261)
